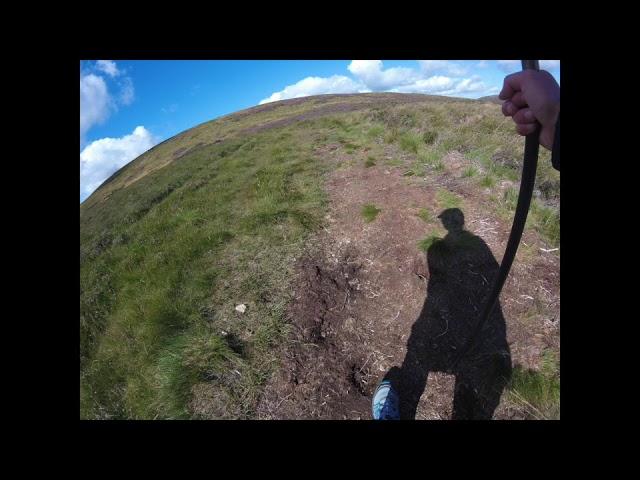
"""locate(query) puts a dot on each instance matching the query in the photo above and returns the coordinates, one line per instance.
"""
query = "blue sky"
(126, 107)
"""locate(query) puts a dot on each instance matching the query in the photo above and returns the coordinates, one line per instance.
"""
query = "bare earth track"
(361, 287)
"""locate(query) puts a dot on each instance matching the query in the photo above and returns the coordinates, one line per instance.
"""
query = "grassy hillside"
(216, 216)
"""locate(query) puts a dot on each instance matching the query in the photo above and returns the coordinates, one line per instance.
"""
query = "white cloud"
(127, 92)
(370, 73)
(95, 102)
(170, 109)
(433, 84)
(549, 64)
(471, 85)
(316, 86)
(457, 87)
(436, 77)
(442, 66)
(109, 67)
(101, 158)
(509, 65)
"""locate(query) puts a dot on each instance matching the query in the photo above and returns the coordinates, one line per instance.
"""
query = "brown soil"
(365, 295)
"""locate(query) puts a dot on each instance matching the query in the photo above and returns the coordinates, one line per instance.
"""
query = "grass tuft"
(447, 199)
(410, 142)
(425, 215)
(429, 137)
(426, 243)
(488, 181)
(470, 171)
(370, 212)
(375, 131)
(537, 392)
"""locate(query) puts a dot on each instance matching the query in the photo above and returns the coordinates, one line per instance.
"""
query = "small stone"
(241, 308)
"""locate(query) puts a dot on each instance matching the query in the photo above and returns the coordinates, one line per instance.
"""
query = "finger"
(512, 84)
(509, 109)
(518, 100)
(524, 116)
(526, 128)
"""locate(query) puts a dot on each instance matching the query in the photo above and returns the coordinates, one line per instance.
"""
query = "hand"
(532, 95)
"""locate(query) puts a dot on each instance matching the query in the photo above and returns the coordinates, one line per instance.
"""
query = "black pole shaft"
(527, 182)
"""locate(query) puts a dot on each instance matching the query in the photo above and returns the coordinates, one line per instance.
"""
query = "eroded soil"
(361, 287)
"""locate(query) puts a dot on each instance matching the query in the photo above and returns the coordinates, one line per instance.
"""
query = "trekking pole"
(527, 181)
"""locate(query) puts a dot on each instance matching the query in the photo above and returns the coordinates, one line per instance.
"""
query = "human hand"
(532, 96)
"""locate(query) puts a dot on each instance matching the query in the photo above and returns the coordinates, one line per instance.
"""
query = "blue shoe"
(385, 402)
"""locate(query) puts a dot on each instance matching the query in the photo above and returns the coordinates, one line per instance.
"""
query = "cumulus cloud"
(371, 74)
(438, 77)
(101, 95)
(442, 85)
(101, 158)
(437, 83)
(95, 102)
(109, 67)
(316, 86)
(442, 66)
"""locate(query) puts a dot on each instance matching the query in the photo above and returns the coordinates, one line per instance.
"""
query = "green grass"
(426, 243)
(429, 157)
(546, 221)
(537, 392)
(410, 142)
(164, 264)
(429, 137)
(375, 131)
(447, 199)
(510, 198)
(349, 146)
(370, 162)
(393, 162)
(543, 219)
(391, 135)
(488, 181)
(425, 215)
(470, 171)
(370, 212)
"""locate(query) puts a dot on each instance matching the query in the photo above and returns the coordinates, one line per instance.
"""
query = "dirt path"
(361, 287)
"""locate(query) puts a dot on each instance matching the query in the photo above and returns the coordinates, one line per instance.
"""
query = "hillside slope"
(237, 210)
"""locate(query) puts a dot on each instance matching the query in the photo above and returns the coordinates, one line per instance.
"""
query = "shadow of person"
(461, 271)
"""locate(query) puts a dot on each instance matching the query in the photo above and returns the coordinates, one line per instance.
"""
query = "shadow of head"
(452, 219)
